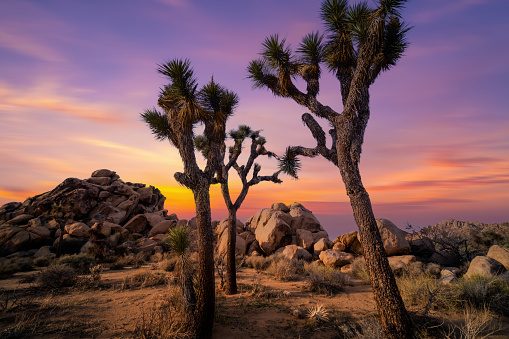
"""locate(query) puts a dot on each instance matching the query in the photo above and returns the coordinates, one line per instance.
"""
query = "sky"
(75, 76)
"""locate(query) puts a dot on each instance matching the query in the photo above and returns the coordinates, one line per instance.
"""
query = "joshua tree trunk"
(231, 276)
(188, 294)
(206, 294)
(396, 322)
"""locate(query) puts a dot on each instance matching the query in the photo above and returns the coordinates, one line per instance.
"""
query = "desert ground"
(109, 308)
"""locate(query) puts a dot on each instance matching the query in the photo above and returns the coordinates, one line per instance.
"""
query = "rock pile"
(102, 207)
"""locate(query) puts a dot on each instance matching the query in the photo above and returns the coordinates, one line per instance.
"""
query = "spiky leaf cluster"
(290, 163)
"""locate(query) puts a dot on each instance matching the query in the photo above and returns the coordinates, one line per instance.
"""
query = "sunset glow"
(75, 76)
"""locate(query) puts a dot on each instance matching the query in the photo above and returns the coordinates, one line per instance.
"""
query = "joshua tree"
(178, 240)
(185, 107)
(359, 45)
(257, 148)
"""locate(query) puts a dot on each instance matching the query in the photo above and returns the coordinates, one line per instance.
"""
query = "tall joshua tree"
(257, 149)
(184, 107)
(360, 43)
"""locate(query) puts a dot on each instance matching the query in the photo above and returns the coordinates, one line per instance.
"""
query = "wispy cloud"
(28, 46)
(46, 96)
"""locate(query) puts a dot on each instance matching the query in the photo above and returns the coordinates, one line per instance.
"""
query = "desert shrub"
(426, 293)
(165, 320)
(119, 263)
(476, 324)
(484, 292)
(57, 276)
(259, 263)
(168, 264)
(144, 278)
(325, 280)
(284, 269)
(14, 265)
(418, 269)
(368, 328)
(80, 262)
(318, 314)
(42, 261)
(360, 270)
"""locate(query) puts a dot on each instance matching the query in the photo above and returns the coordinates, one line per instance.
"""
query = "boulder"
(399, 262)
(484, 266)
(347, 269)
(321, 245)
(247, 236)
(43, 232)
(335, 258)
(279, 206)
(78, 229)
(20, 220)
(160, 238)
(223, 225)
(254, 248)
(444, 258)
(305, 239)
(393, 238)
(35, 222)
(137, 224)
(263, 216)
(500, 254)
(240, 245)
(162, 227)
(319, 235)
(52, 225)
(296, 252)
(346, 239)
(302, 218)
(101, 229)
(154, 218)
(101, 181)
(274, 234)
(339, 246)
(103, 173)
(44, 252)
(422, 247)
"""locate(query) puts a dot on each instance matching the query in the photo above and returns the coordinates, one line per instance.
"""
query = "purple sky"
(75, 75)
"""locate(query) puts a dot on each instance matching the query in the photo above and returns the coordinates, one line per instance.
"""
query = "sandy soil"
(112, 312)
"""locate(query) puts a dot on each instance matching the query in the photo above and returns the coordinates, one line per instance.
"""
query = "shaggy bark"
(205, 305)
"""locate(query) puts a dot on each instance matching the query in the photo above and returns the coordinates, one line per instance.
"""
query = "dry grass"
(143, 279)
(165, 320)
(57, 276)
(360, 270)
(325, 280)
(284, 269)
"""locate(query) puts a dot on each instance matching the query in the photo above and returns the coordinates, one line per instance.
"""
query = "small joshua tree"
(256, 149)
(178, 241)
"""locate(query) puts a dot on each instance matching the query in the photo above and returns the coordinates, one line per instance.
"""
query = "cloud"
(480, 180)
(29, 46)
(46, 96)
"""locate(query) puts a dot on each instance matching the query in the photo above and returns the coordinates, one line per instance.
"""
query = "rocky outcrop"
(80, 204)
(283, 225)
